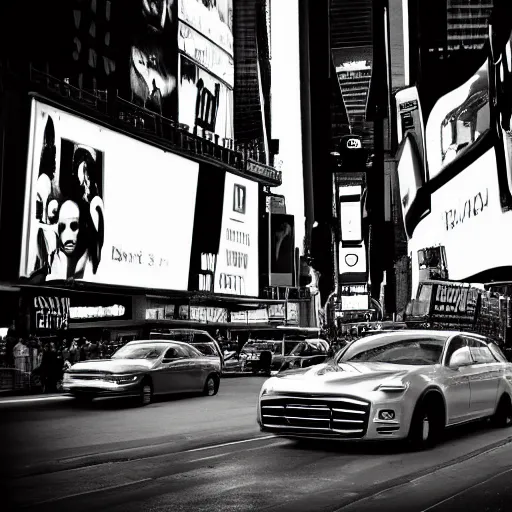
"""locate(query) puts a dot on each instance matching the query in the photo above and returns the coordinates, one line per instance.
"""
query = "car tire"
(426, 425)
(502, 418)
(146, 392)
(211, 386)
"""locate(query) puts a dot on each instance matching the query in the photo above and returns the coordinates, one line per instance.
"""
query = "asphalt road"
(207, 454)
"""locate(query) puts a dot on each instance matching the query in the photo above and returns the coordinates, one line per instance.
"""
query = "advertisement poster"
(282, 250)
(207, 228)
(212, 18)
(96, 211)
(207, 54)
(350, 213)
(237, 267)
(153, 60)
(204, 101)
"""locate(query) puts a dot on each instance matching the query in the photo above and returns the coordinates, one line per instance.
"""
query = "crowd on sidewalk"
(34, 362)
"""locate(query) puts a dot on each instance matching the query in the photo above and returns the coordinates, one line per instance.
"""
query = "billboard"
(204, 52)
(212, 18)
(204, 100)
(105, 208)
(237, 265)
(282, 250)
(153, 55)
(350, 213)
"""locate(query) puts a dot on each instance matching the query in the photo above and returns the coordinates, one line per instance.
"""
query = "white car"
(397, 385)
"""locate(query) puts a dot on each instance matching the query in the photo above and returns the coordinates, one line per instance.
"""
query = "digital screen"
(102, 207)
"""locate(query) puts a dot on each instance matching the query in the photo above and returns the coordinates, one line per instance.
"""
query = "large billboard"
(237, 268)
(282, 249)
(212, 18)
(105, 208)
(204, 100)
(224, 257)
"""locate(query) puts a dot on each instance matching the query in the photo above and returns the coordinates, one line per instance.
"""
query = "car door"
(215, 350)
(198, 369)
(484, 376)
(455, 381)
(175, 373)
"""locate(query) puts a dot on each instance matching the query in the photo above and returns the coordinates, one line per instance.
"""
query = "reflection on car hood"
(113, 365)
(329, 376)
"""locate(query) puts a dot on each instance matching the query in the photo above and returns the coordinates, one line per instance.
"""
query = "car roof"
(425, 332)
(136, 342)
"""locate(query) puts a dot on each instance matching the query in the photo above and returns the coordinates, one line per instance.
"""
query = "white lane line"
(432, 507)
(85, 493)
(262, 438)
(25, 400)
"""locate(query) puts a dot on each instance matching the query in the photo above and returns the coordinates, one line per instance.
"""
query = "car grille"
(340, 416)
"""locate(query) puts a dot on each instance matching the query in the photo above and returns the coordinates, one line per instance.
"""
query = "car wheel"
(426, 425)
(146, 392)
(211, 386)
(503, 416)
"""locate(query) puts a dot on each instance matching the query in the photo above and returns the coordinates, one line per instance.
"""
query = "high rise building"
(467, 23)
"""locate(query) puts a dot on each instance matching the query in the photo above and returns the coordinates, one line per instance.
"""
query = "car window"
(206, 349)
(497, 353)
(139, 351)
(192, 351)
(176, 352)
(480, 352)
(410, 350)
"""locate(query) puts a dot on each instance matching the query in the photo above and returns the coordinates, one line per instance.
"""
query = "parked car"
(305, 353)
(395, 385)
(251, 353)
(201, 340)
(143, 369)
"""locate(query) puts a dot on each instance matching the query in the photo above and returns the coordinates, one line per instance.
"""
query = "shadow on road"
(386, 446)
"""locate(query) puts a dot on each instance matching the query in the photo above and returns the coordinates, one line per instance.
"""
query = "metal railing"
(247, 158)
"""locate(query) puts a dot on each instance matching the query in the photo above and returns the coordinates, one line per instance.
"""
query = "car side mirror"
(460, 358)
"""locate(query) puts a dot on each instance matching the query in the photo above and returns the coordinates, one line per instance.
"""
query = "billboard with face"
(96, 211)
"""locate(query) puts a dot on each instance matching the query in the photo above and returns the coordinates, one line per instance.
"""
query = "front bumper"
(341, 418)
(101, 388)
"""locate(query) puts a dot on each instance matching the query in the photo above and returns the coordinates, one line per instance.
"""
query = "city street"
(207, 453)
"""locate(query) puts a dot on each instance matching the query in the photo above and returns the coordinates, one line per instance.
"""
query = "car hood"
(351, 377)
(113, 365)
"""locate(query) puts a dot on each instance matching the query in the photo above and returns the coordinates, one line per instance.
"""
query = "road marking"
(467, 489)
(212, 447)
(24, 400)
(85, 493)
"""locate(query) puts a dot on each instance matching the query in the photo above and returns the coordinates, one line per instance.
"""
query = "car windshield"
(413, 349)
(206, 349)
(139, 351)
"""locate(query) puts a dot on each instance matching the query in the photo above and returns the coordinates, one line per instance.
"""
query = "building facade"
(126, 202)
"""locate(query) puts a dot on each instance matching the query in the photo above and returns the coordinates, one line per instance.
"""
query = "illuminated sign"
(354, 302)
(114, 311)
(208, 315)
(212, 19)
(237, 267)
(96, 211)
(354, 144)
(292, 313)
(205, 101)
(51, 312)
(351, 213)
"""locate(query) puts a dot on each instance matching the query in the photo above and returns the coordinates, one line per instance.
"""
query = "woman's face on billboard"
(69, 216)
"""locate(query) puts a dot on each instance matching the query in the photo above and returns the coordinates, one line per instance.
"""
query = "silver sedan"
(398, 385)
(143, 369)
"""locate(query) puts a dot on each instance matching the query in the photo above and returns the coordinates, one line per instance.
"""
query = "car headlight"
(392, 387)
(267, 390)
(121, 379)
